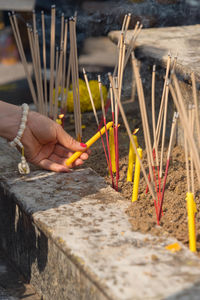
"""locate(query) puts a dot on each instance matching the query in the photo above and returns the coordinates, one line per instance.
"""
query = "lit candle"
(191, 210)
(59, 121)
(131, 159)
(136, 176)
(88, 143)
(112, 148)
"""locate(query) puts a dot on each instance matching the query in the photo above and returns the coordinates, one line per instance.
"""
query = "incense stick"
(95, 113)
(104, 118)
(130, 137)
(173, 127)
(160, 115)
(164, 128)
(57, 84)
(194, 90)
(17, 37)
(52, 58)
(153, 114)
(44, 61)
(143, 115)
(75, 80)
(39, 72)
(191, 119)
(64, 65)
(131, 45)
(34, 59)
(184, 120)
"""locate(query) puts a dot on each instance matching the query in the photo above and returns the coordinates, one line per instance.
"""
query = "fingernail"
(83, 145)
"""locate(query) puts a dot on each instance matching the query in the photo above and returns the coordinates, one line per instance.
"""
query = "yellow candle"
(131, 159)
(136, 176)
(88, 143)
(112, 148)
(191, 210)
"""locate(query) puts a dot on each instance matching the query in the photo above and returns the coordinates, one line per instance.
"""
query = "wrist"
(10, 117)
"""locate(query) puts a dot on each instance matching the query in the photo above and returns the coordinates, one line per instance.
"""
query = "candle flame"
(61, 116)
(136, 130)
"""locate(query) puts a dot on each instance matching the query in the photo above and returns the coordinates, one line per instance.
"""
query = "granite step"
(70, 237)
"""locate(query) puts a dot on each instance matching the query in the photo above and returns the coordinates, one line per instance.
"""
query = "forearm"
(10, 116)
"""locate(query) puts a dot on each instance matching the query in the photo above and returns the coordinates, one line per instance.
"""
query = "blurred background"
(94, 20)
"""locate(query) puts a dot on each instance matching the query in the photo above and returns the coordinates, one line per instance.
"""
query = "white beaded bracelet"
(23, 166)
(16, 141)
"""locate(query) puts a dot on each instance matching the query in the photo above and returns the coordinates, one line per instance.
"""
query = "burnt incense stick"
(187, 163)
(164, 127)
(153, 114)
(155, 149)
(131, 45)
(35, 65)
(145, 129)
(52, 58)
(104, 118)
(95, 114)
(34, 21)
(64, 65)
(160, 115)
(62, 30)
(128, 19)
(194, 91)
(131, 139)
(184, 120)
(15, 29)
(44, 61)
(116, 130)
(74, 77)
(173, 127)
(39, 72)
(74, 63)
(57, 84)
(144, 117)
(191, 119)
(118, 45)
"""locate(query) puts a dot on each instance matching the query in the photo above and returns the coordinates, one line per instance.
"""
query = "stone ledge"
(155, 44)
(70, 236)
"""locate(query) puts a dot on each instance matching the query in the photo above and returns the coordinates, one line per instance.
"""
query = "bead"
(15, 140)
(20, 133)
(22, 127)
(24, 118)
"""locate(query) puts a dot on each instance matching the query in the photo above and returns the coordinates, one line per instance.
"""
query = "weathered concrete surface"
(98, 54)
(155, 44)
(18, 5)
(71, 237)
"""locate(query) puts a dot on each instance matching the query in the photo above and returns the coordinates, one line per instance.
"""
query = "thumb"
(68, 141)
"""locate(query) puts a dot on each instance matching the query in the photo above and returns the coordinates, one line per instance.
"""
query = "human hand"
(45, 142)
(47, 145)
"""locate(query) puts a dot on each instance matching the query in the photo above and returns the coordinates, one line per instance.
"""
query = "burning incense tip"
(89, 143)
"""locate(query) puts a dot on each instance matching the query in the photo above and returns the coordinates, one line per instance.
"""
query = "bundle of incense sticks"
(48, 101)
(152, 153)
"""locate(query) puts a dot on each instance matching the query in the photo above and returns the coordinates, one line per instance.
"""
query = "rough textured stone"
(70, 236)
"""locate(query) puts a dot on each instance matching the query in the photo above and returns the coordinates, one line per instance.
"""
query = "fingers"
(68, 142)
(53, 166)
(57, 164)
